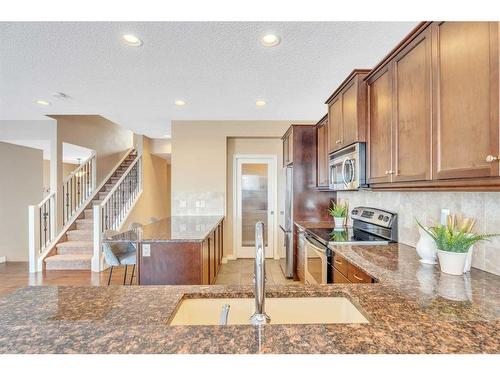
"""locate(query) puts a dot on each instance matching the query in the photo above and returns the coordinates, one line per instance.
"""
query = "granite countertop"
(413, 308)
(172, 229)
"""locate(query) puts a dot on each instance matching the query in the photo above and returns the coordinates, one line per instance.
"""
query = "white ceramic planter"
(468, 259)
(339, 222)
(426, 248)
(452, 263)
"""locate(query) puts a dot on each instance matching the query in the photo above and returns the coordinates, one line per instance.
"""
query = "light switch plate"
(146, 250)
(444, 215)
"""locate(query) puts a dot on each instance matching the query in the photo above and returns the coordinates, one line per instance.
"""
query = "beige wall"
(67, 169)
(268, 146)
(155, 198)
(109, 140)
(21, 185)
(199, 163)
(426, 207)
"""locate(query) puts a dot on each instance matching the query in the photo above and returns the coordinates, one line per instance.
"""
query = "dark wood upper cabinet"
(347, 112)
(322, 153)
(335, 125)
(465, 99)
(433, 118)
(412, 119)
(379, 135)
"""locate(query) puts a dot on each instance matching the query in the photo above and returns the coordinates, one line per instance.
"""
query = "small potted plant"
(454, 241)
(339, 212)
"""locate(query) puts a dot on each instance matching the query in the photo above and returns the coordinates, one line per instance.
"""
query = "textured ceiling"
(219, 69)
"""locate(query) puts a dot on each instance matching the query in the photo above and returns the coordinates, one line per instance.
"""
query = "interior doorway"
(255, 199)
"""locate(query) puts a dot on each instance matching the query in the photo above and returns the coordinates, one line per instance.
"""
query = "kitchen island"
(184, 250)
(412, 308)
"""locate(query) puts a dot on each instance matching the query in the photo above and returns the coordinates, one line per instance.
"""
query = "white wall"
(20, 186)
(426, 207)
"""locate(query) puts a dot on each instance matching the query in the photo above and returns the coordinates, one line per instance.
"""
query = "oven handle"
(315, 247)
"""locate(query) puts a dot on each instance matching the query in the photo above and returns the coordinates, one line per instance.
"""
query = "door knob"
(491, 158)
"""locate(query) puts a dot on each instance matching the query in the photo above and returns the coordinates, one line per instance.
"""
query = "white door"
(255, 200)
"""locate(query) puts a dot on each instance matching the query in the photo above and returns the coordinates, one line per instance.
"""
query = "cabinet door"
(380, 113)
(412, 112)
(335, 124)
(466, 99)
(205, 263)
(211, 258)
(350, 115)
(322, 155)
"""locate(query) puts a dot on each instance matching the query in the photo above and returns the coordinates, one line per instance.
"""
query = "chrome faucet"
(260, 317)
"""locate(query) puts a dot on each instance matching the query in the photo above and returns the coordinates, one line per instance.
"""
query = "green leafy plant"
(456, 236)
(339, 236)
(339, 210)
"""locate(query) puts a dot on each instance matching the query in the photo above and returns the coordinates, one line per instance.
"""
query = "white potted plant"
(339, 212)
(454, 242)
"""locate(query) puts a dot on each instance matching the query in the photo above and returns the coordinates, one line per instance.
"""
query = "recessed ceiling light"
(132, 40)
(42, 102)
(260, 103)
(60, 95)
(180, 103)
(270, 40)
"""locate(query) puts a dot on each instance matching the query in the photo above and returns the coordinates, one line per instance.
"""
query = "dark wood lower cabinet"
(347, 273)
(182, 263)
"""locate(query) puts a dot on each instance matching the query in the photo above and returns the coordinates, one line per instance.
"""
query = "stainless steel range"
(371, 226)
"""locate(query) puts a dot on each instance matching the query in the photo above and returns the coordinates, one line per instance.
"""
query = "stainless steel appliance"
(347, 168)
(371, 226)
(287, 265)
(318, 263)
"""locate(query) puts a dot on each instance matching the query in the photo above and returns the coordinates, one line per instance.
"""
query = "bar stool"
(120, 254)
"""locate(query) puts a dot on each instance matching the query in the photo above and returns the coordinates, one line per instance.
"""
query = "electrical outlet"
(146, 250)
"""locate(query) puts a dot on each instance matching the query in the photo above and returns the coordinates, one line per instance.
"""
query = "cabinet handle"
(356, 277)
(386, 172)
(338, 141)
(337, 261)
(491, 158)
(391, 172)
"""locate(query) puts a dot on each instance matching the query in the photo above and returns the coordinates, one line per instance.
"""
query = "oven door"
(316, 263)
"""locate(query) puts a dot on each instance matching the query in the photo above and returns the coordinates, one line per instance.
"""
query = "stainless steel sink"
(297, 310)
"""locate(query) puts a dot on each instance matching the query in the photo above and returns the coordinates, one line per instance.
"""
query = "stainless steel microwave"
(347, 168)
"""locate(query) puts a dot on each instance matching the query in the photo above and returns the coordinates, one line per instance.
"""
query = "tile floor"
(240, 271)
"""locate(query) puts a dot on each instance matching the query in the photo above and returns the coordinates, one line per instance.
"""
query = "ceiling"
(219, 69)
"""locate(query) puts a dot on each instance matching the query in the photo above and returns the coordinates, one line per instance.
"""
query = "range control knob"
(380, 217)
(354, 212)
(386, 218)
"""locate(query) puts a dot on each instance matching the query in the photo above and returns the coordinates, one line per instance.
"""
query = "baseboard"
(229, 257)
(3, 259)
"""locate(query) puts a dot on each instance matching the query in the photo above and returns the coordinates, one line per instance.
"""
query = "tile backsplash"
(198, 203)
(426, 207)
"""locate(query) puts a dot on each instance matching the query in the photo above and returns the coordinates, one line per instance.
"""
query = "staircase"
(75, 251)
